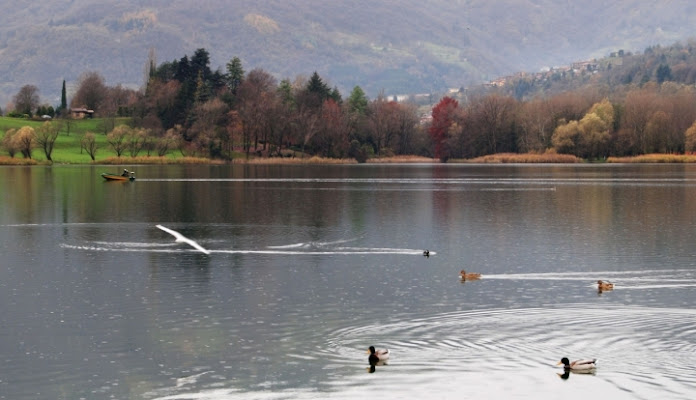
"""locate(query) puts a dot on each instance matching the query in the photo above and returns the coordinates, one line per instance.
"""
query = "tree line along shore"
(188, 113)
(70, 148)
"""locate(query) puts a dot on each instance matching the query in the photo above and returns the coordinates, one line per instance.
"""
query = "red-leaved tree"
(443, 116)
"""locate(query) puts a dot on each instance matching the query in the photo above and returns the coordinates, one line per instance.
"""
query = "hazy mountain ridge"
(406, 46)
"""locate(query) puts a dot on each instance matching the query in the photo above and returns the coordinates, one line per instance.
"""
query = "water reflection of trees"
(601, 211)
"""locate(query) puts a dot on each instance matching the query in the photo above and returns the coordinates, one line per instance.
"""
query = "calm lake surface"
(310, 265)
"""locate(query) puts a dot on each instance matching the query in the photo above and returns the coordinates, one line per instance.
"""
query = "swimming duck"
(578, 365)
(377, 355)
(471, 276)
(601, 285)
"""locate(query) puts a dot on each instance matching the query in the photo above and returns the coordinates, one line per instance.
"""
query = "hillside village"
(576, 68)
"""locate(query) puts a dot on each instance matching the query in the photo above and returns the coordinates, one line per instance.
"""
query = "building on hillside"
(80, 113)
(590, 66)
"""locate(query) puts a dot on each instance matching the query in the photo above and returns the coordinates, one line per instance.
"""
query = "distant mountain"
(395, 46)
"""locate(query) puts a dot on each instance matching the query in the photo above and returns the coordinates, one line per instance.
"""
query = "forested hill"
(398, 46)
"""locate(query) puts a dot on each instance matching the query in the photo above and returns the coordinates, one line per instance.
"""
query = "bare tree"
(136, 141)
(332, 136)
(208, 128)
(234, 132)
(379, 124)
(89, 144)
(536, 124)
(46, 136)
(638, 108)
(169, 141)
(24, 140)
(118, 101)
(117, 139)
(8, 142)
(27, 99)
(91, 92)
(492, 117)
(307, 123)
(406, 127)
(657, 133)
(257, 97)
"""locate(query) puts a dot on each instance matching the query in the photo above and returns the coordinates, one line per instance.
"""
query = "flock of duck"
(380, 356)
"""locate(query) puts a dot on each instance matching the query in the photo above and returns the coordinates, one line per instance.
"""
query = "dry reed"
(5, 160)
(655, 158)
(526, 158)
(295, 160)
(402, 160)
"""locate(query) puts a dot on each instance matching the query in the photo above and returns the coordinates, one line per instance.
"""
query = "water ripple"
(648, 346)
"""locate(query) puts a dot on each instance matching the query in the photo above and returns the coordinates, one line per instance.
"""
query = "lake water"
(310, 265)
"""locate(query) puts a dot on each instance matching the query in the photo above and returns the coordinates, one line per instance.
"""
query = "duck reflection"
(374, 365)
(566, 373)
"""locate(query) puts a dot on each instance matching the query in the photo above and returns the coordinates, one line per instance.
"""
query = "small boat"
(125, 176)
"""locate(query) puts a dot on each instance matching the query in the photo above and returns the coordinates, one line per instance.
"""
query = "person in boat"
(125, 172)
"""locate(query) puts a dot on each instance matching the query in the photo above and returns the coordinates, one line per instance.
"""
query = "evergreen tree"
(316, 92)
(182, 70)
(357, 102)
(317, 87)
(664, 73)
(335, 95)
(285, 92)
(63, 100)
(202, 89)
(235, 74)
(200, 64)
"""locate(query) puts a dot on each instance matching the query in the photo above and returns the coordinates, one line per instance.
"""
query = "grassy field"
(67, 148)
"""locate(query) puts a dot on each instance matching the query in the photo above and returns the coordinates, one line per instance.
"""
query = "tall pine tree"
(63, 101)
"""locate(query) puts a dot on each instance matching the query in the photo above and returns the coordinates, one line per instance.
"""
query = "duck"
(377, 355)
(578, 365)
(469, 276)
(426, 253)
(602, 285)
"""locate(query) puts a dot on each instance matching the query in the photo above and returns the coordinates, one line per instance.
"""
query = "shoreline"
(503, 158)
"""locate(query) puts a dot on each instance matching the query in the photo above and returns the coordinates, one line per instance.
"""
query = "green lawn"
(67, 149)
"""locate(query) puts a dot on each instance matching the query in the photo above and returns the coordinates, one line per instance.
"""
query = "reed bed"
(6, 160)
(526, 158)
(655, 158)
(294, 160)
(402, 160)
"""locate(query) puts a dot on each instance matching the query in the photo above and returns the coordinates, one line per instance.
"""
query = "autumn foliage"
(443, 118)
